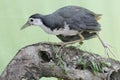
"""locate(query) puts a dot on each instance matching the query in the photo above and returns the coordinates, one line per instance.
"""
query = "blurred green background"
(14, 13)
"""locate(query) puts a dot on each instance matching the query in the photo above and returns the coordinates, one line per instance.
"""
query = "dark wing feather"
(79, 18)
(90, 22)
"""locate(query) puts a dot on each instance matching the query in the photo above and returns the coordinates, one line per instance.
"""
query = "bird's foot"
(63, 44)
(67, 43)
(72, 42)
(107, 49)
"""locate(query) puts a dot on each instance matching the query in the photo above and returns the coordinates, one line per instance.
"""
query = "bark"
(68, 63)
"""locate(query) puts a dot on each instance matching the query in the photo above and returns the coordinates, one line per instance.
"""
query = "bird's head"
(34, 19)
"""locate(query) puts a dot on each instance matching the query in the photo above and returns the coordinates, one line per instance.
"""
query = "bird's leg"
(71, 42)
(81, 38)
(106, 46)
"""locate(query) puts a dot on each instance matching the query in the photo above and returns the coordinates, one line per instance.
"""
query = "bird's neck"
(44, 27)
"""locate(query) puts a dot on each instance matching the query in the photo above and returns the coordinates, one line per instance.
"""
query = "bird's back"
(77, 18)
(69, 11)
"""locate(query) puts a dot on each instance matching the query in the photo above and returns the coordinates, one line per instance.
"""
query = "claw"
(106, 47)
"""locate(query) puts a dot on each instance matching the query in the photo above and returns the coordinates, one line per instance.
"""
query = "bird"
(70, 24)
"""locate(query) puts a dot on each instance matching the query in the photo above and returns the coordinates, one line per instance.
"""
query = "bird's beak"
(27, 24)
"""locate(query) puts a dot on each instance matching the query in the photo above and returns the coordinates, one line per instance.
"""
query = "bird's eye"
(31, 20)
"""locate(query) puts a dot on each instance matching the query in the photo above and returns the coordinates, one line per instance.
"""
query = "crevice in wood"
(45, 56)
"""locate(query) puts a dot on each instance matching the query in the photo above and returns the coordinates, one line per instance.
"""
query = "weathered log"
(70, 63)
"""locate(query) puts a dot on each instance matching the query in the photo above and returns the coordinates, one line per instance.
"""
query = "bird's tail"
(98, 16)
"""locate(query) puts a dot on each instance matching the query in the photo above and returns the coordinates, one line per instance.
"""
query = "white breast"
(64, 31)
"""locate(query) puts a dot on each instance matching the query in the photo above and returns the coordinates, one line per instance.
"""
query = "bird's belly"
(66, 31)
